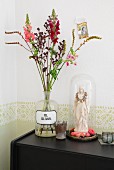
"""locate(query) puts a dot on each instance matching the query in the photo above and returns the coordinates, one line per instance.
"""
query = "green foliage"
(30, 57)
(72, 51)
(54, 73)
(35, 52)
(68, 60)
(59, 62)
(52, 51)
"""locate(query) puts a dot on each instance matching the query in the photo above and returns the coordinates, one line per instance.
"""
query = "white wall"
(7, 53)
(95, 59)
(8, 91)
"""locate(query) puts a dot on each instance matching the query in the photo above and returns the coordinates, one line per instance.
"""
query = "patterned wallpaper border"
(8, 113)
(25, 111)
(104, 116)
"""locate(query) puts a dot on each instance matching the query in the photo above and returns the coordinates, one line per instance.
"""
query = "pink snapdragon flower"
(29, 35)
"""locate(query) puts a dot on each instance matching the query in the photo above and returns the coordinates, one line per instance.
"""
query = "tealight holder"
(113, 136)
(107, 137)
(60, 128)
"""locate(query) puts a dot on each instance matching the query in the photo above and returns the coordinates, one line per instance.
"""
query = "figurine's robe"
(81, 115)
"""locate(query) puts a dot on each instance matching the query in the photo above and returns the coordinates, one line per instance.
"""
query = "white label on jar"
(47, 117)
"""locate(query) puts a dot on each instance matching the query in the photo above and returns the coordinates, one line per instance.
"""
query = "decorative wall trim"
(8, 113)
(25, 111)
(103, 116)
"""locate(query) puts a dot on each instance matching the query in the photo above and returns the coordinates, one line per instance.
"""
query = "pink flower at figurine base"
(78, 134)
(91, 131)
(87, 134)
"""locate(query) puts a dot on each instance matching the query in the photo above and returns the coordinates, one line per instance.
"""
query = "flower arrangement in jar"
(49, 54)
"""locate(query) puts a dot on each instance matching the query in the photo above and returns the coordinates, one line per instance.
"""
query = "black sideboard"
(30, 152)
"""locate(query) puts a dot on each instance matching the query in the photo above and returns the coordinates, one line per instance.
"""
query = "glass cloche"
(82, 114)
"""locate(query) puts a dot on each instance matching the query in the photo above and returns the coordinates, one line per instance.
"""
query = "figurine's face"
(81, 90)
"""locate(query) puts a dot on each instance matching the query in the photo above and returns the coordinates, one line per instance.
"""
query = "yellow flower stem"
(80, 46)
(19, 33)
(86, 40)
(73, 38)
(18, 43)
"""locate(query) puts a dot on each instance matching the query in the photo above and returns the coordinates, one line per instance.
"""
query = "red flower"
(51, 24)
(54, 30)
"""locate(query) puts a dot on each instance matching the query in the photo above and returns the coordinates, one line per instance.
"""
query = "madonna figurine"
(81, 111)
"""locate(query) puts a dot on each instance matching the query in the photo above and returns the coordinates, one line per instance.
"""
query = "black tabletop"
(93, 148)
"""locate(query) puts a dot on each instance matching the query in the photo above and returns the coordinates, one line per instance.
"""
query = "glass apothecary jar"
(82, 116)
(46, 116)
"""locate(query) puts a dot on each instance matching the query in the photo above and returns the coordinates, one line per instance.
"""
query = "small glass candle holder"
(60, 128)
(107, 137)
(113, 136)
(110, 138)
